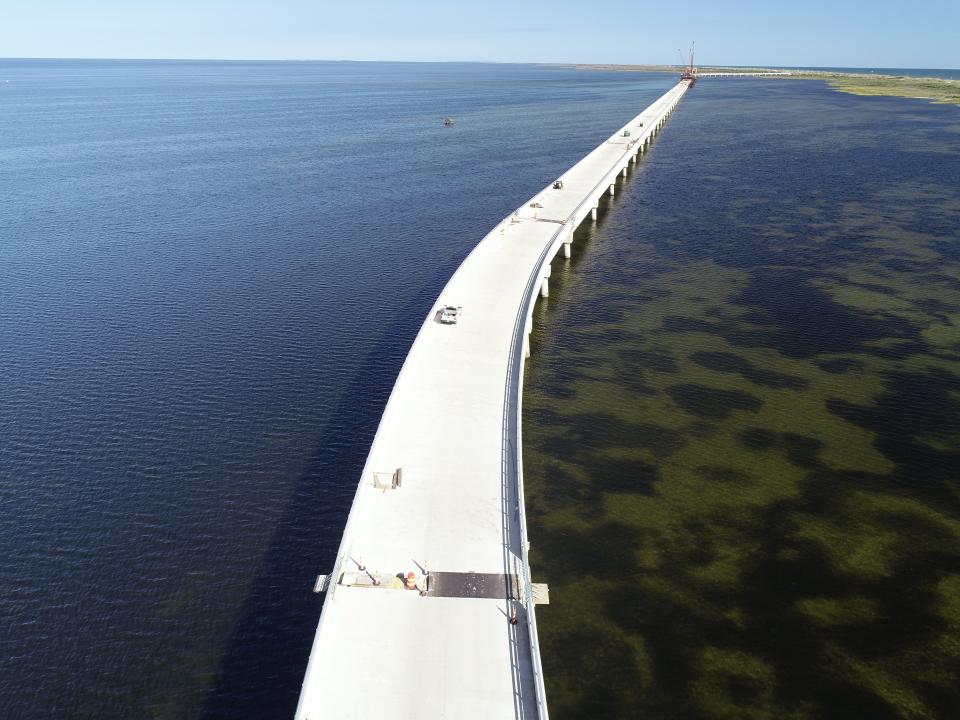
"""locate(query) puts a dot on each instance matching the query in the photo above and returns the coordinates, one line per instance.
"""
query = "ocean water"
(741, 410)
(742, 419)
(210, 274)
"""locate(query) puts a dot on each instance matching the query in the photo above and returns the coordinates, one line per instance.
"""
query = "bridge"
(430, 607)
(765, 73)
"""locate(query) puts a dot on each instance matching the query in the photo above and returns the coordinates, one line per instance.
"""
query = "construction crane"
(689, 72)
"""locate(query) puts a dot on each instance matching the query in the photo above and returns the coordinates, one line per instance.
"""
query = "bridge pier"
(613, 190)
(566, 250)
(624, 170)
(593, 212)
(545, 287)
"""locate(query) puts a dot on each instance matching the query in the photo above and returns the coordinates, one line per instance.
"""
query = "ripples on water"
(742, 421)
(209, 276)
(741, 418)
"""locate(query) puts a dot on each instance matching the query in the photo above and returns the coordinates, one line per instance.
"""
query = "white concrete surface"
(452, 425)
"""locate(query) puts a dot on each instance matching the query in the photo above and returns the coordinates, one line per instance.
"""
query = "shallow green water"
(742, 419)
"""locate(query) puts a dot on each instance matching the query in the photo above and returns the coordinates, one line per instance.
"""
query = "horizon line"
(467, 62)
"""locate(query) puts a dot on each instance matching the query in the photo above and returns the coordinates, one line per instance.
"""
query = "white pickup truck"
(449, 314)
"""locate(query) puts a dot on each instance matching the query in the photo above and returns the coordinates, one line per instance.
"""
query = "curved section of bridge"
(429, 611)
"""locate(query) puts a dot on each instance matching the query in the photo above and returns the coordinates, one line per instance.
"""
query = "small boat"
(448, 121)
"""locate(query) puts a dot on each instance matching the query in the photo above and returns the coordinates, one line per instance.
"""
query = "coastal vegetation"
(938, 90)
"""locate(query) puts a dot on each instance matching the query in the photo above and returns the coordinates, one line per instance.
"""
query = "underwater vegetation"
(742, 421)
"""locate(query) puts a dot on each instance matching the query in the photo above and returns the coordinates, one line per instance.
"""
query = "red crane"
(689, 71)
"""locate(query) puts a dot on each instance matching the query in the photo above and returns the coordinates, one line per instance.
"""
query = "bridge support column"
(593, 213)
(526, 345)
(566, 250)
(624, 170)
(545, 288)
(613, 190)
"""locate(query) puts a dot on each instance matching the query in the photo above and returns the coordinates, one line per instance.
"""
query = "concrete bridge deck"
(448, 649)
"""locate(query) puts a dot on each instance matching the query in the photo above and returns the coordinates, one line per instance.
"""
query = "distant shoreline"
(937, 90)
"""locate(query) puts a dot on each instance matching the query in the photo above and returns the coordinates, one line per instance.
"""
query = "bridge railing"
(514, 387)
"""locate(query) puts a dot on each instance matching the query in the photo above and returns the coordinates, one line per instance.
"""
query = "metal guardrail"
(514, 386)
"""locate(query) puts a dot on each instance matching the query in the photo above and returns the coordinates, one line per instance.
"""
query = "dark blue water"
(209, 276)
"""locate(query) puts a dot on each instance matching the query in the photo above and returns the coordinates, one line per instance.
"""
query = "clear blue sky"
(920, 33)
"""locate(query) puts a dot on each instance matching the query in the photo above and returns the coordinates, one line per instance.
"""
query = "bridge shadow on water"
(262, 668)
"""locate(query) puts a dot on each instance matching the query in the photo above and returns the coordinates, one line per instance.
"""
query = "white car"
(449, 314)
